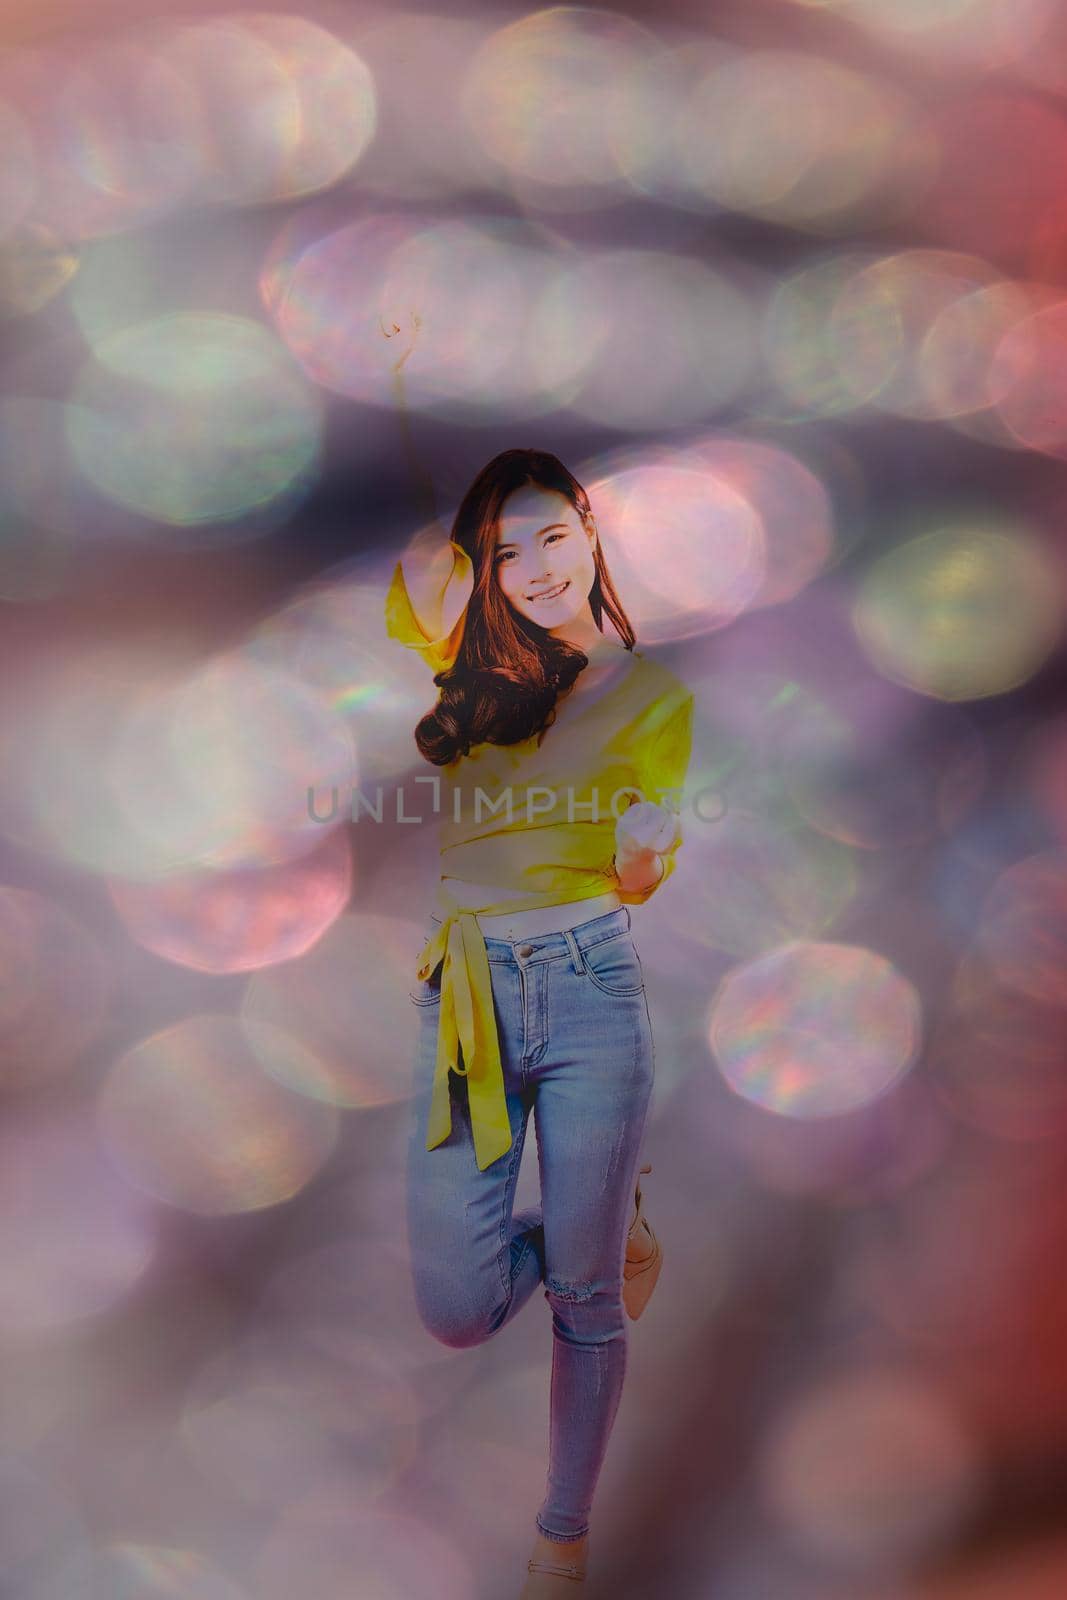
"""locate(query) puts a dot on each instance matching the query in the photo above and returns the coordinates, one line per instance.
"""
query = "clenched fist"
(643, 827)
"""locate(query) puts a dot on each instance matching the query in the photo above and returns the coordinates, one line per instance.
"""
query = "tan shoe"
(644, 1258)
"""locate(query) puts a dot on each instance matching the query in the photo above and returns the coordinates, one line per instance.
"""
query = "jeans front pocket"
(614, 966)
(427, 992)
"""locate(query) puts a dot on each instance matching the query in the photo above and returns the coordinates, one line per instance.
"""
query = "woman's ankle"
(564, 1549)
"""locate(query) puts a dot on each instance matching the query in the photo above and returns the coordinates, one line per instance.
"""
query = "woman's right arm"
(426, 604)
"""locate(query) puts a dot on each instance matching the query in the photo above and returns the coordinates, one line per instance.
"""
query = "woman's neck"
(583, 632)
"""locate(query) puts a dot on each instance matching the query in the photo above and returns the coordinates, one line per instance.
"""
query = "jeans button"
(526, 949)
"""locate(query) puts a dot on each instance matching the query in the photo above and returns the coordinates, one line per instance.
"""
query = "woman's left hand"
(643, 828)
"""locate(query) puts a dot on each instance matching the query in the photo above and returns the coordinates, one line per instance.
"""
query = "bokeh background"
(784, 282)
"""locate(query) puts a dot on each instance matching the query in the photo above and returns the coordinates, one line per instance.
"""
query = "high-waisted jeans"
(576, 1047)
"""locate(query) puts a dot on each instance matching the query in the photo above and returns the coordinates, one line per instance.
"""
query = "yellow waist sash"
(468, 1023)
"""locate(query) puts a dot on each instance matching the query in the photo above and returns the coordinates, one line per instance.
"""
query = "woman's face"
(541, 546)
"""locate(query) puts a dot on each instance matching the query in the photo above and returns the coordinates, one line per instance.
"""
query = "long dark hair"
(509, 673)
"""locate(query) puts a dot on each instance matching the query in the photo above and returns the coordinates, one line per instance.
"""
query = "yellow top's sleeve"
(664, 765)
(430, 616)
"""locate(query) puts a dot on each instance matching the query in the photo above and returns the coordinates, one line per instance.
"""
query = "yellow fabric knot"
(467, 1041)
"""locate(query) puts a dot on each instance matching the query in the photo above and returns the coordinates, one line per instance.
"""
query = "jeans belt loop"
(577, 959)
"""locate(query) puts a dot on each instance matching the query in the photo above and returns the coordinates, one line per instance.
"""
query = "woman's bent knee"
(455, 1322)
(586, 1315)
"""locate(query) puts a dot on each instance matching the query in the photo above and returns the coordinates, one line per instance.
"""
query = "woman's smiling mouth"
(550, 594)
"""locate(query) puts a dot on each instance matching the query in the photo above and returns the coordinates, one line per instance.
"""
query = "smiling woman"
(557, 745)
(524, 530)
(539, 562)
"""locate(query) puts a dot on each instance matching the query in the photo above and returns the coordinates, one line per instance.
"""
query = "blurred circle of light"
(802, 141)
(792, 506)
(1045, 766)
(318, 1545)
(962, 612)
(1002, 172)
(347, 1000)
(882, 315)
(47, 1550)
(1045, 61)
(56, 140)
(1029, 379)
(194, 418)
(133, 278)
(74, 1240)
(814, 1030)
(117, 156)
(35, 266)
(55, 991)
(685, 547)
(190, 1117)
(919, 16)
(449, 303)
(425, 147)
(766, 884)
(358, 1288)
(109, 156)
(997, 1056)
(545, 95)
(1022, 931)
(798, 344)
(647, 142)
(126, 1571)
(655, 339)
(55, 798)
(967, 1314)
(139, 763)
(132, 766)
(277, 105)
(214, 768)
(243, 920)
(331, 637)
(972, 33)
(956, 358)
(873, 1469)
(876, 768)
(877, 1153)
(505, 1409)
(336, 103)
(266, 1423)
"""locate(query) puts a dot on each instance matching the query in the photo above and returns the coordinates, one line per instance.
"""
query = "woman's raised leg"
(474, 1263)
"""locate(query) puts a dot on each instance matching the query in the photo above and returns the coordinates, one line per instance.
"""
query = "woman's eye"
(504, 554)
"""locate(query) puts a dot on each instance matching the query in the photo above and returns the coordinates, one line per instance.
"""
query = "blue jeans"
(576, 1047)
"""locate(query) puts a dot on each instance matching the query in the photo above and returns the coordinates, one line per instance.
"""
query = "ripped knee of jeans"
(573, 1293)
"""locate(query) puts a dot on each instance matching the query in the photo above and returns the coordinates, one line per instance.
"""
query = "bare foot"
(551, 1585)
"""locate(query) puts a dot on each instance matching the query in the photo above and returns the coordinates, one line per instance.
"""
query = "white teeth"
(551, 593)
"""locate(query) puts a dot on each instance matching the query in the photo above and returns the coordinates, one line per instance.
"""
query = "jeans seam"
(591, 944)
(507, 1204)
(616, 994)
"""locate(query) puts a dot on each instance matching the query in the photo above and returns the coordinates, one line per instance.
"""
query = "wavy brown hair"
(504, 684)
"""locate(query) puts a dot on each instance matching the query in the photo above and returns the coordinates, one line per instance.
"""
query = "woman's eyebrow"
(508, 546)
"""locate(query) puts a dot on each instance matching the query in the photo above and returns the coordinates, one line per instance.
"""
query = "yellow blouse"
(536, 819)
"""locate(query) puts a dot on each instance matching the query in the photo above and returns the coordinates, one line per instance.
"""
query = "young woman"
(561, 751)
